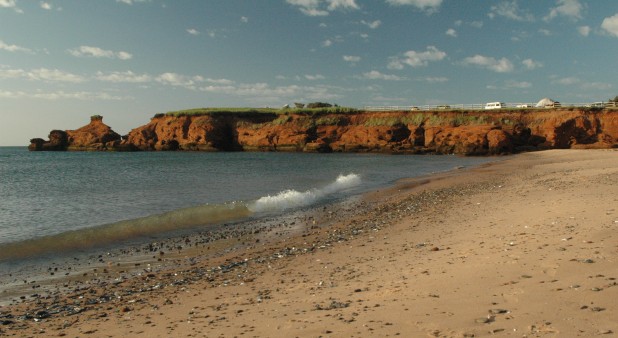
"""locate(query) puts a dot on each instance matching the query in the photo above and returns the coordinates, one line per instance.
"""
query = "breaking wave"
(186, 218)
(293, 199)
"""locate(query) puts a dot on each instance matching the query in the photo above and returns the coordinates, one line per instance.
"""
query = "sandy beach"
(526, 246)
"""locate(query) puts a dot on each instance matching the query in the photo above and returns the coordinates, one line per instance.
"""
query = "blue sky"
(62, 61)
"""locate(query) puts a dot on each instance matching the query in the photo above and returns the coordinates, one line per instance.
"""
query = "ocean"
(54, 202)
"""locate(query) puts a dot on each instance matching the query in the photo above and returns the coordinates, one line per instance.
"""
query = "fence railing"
(480, 106)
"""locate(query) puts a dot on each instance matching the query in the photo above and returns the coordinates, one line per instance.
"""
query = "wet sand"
(523, 247)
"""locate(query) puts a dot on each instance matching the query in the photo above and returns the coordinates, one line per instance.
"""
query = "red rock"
(468, 133)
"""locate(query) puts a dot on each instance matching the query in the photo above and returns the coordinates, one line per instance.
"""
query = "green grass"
(390, 121)
(253, 111)
(328, 121)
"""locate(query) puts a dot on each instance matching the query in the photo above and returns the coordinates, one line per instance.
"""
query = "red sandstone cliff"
(469, 133)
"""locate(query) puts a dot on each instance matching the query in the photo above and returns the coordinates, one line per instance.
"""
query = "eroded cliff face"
(468, 133)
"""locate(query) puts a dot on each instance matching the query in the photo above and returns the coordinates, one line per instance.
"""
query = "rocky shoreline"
(447, 132)
(118, 282)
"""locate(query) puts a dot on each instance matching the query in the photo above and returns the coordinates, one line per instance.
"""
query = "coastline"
(522, 246)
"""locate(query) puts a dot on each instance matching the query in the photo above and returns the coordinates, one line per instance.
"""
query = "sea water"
(58, 201)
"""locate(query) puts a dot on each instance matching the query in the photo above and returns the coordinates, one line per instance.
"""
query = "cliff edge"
(445, 132)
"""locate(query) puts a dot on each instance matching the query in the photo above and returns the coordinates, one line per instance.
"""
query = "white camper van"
(495, 105)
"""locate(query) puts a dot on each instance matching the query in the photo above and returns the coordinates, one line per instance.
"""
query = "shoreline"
(425, 257)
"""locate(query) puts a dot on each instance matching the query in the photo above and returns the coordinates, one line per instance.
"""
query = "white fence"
(480, 106)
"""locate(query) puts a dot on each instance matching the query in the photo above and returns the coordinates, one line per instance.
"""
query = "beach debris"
(334, 304)
(498, 311)
(485, 320)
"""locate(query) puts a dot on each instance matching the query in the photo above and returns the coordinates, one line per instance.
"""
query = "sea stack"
(94, 136)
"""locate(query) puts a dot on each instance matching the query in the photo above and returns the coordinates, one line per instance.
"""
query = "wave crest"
(293, 199)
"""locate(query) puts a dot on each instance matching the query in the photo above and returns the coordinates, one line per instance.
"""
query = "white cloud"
(375, 75)
(88, 51)
(263, 91)
(46, 5)
(610, 25)
(60, 95)
(54, 75)
(169, 78)
(426, 5)
(510, 10)
(193, 31)
(476, 24)
(437, 79)
(344, 4)
(373, 24)
(323, 7)
(131, 2)
(13, 48)
(40, 74)
(451, 32)
(10, 4)
(179, 80)
(11, 73)
(518, 84)
(566, 81)
(124, 55)
(531, 64)
(120, 77)
(500, 66)
(351, 58)
(545, 32)
(569, 8)
(244, 19)
(417, 59)
(314, 77)
(220, 81)
(584, 30)
(327, 43)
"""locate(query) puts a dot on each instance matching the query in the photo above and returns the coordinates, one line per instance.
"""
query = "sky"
(62, 61)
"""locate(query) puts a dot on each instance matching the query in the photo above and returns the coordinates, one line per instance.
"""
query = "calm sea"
(75, 199)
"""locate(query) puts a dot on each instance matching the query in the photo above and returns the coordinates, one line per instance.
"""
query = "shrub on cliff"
(318, 105)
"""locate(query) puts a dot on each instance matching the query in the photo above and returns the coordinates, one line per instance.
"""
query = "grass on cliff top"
(254, 111)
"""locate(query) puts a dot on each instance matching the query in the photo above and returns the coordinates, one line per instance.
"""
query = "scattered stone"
(485, 320)
(498, 311)
(333, 305)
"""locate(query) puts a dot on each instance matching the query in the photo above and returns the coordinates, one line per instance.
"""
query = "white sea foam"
(293, 199)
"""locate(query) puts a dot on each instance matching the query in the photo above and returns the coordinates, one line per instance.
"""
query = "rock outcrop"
(450, 132)
(94, 136)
